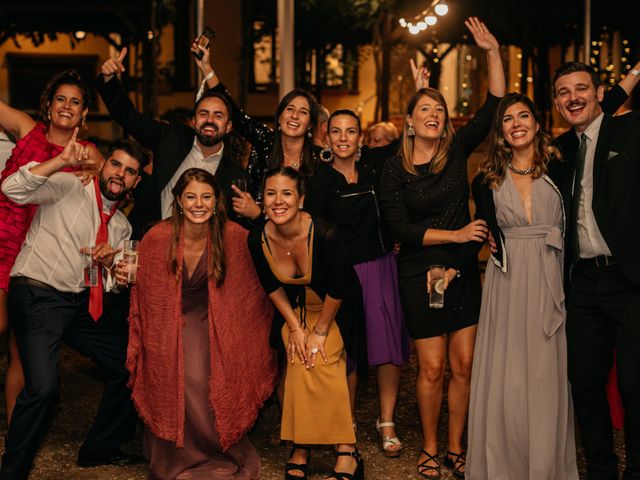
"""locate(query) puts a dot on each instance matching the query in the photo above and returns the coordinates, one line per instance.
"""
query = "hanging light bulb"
(431, 20)
(442, 8)
(403, 22)
(413, 29)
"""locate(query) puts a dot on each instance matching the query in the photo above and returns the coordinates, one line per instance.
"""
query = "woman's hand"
(481, 34)
(297, 345)
(449, 275)
(113, 66)
(244, 204)
(315, 346)
(475, 231)
(420, 75)
(74, 153)
(121, 274)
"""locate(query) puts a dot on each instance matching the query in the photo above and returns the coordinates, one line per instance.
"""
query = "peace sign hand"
(113, 66)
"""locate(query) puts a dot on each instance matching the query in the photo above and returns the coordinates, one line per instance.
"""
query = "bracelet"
(635, 72)
(291, 330)
(203, 84)
(319, 333)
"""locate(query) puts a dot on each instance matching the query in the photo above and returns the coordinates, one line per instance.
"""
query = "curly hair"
(494, 166)
(66, 77)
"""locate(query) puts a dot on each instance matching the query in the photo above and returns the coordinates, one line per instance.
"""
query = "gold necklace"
(283, 246)
(295, 165)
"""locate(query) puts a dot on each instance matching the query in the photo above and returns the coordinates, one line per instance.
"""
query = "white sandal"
(388, 441)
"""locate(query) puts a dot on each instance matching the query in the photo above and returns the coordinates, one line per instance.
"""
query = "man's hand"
(105, 253)
(113, 66)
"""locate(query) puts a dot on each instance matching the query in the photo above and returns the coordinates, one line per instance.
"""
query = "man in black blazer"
(600, 182)
(176, 147)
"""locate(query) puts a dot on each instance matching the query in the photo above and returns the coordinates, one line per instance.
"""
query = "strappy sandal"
(456, 463)
(388, 441)
(302, 467)
(358, 474)
(423, 467)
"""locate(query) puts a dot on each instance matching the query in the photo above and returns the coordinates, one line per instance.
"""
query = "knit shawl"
(243, 367)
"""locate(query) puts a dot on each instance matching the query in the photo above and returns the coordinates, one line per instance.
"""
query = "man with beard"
(599, 179)
(176, 147)
(49, 301)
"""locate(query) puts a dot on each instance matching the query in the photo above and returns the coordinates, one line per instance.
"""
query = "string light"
(426, 18)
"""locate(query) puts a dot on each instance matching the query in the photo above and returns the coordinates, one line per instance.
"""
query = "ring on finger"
(315, 350)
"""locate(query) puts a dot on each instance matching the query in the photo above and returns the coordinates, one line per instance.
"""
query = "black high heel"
(358, 474)
(297, 466)
(423, 467)
(454, 464)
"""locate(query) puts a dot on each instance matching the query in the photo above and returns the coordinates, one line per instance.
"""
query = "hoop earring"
(358, 153)
(326, 155)
(410, 131)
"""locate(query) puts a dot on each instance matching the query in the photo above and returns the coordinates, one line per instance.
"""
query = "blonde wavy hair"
(495, 165)
(440, 158)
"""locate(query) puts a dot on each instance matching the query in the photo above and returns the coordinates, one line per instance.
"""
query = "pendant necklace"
(295, 165)
(526, 171)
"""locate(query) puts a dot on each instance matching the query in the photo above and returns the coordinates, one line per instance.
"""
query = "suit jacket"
(616, 183)
(170, 144)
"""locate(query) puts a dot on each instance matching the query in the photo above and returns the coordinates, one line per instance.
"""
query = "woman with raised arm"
(346, 191)
(304, 268)
(63, 108)
(425, 200)
(521, 420)
(199, 355)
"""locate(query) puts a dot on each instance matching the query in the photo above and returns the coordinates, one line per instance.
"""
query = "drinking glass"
(240, 183)
(90, 266)
(130, 259)
(436, 286)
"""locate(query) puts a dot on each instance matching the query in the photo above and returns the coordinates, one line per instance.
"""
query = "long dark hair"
(66, 77)
(440, 158)
(494, 166)
(217, 259)
(308, 162)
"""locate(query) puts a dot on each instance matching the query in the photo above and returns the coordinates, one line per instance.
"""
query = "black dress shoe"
(116, 458)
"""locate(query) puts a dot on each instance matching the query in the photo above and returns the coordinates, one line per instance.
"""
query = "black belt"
(30, 282)
(599, 261)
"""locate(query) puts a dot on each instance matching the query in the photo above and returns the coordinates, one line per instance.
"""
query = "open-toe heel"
(391, 446)
(302, 467)
(423, 468)
(358, 474)
(456, 462)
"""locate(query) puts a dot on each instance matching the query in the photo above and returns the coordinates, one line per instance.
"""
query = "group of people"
(319, 268)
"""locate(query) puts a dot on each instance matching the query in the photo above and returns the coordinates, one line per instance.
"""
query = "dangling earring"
(180, 211)
(83, 122)
(309, 133)
(300, 207)
(358, 152)
(326, 155)
(215, 212)
(49, 115)
(410, 131)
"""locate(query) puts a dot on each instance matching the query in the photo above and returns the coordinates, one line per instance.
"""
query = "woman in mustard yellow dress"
(303, 266)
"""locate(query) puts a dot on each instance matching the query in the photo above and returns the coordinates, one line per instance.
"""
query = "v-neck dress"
(315, 408)
(202, 457)
(520, 415)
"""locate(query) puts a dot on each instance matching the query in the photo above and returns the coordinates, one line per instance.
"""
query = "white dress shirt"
(195, 159)
(591, 241)
(67, 219)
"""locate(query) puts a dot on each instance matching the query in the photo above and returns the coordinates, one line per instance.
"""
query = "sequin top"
(414, 203)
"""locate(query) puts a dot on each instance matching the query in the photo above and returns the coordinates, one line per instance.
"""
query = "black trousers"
(41, 319)
(603, 315)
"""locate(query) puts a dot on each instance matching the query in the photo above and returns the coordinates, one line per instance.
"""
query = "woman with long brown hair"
(425, 200)
(196, 309)
(64, 104)
(520, 404)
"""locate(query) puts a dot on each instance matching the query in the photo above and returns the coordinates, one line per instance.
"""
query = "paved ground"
(80, 390)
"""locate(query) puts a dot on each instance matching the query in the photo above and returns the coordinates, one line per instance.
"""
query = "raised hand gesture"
(204, 63)
(74, 153)
(481, 34)
(420, 75)
(114, 65)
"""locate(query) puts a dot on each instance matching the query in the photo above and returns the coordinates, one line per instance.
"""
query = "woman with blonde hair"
(425, 201)
(381, 134)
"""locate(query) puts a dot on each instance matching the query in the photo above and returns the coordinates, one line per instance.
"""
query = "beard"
(108, 194)
(209, 140)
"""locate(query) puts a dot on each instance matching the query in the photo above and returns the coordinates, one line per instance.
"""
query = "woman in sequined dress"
(425, 196)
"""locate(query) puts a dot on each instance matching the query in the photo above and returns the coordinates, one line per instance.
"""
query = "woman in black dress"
(425, 200)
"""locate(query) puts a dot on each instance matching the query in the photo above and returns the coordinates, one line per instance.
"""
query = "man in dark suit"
(176, 147)
(600, 181)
